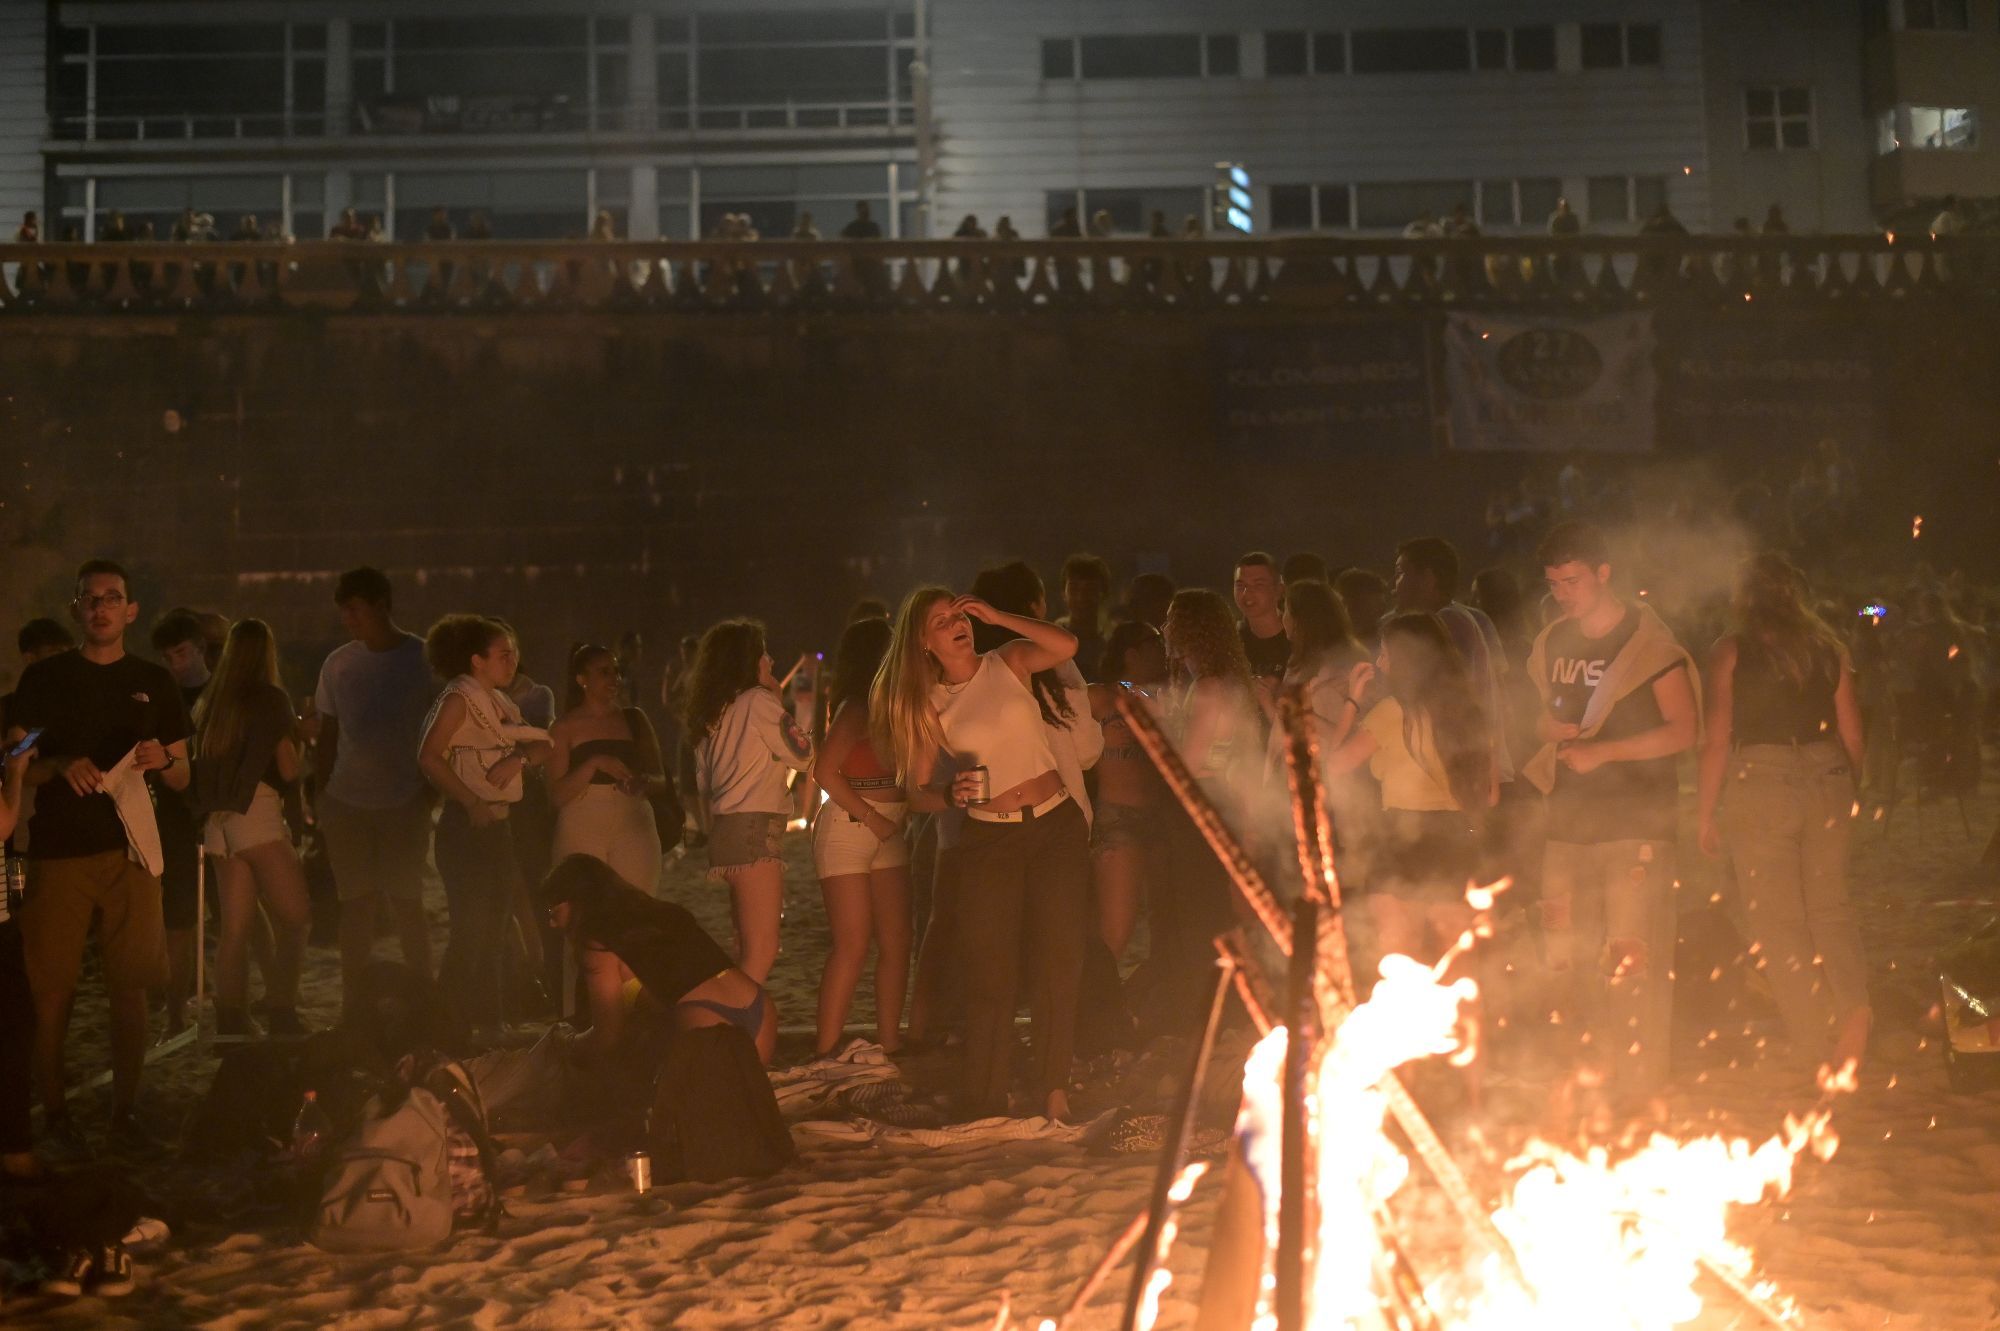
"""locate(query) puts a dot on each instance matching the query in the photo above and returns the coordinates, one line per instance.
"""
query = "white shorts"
(842, 846)
(226, 834)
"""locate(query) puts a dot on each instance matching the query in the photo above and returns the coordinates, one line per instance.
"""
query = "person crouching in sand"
(623, 935)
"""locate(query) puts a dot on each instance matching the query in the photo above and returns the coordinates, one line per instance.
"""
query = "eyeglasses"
(108, 601)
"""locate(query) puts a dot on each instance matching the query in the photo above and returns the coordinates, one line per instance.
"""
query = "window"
(1058, 58)
(1496, 203)
(1610, 199)
(1131, 210)
(1777, 118)
(1935, 15)
(1412, 50)
(1223, 55)
(1927, 128)
(1141, 56)
(1538, 199)
(1310, 208)
(1649, 195)
(1943, 127)
(1535, 48)
(1393, 205)
(1489, 48)
(1285, 54)
(1289, 54)
(1291, 207)
(1603, 46)
(1615, 45)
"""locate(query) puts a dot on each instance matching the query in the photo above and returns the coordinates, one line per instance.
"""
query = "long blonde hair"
(900, 715)
(248, 666)
(1770, 610)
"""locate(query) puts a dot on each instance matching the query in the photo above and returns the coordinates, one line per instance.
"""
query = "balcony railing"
(391, 117)
(1162, 275)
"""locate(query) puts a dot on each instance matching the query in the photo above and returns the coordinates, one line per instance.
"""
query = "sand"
(1898, 1231)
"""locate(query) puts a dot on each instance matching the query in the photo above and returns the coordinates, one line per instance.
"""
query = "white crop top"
(993, 721)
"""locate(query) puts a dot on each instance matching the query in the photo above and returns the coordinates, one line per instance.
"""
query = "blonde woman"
(1783, 721)
(246, 753)
(965, 731)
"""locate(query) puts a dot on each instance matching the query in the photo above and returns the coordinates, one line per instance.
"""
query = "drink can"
(639, 1171)
(982, 787)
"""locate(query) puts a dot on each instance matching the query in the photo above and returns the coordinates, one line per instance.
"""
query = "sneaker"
(114, 1272)
(75, 1272)
(130, 1135)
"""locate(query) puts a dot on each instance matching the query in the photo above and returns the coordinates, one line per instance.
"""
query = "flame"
(1917, 527)
(1606, 1241)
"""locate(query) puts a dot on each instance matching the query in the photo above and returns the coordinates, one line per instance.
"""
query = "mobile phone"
(1874, 611)
(27, 742)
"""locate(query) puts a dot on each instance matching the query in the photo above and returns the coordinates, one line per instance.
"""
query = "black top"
(97, 712)
(227, 782)
(1268, 656)
(180, 830)
(624, 750)
(1770, 707)
(1627, 801)
(660, 941)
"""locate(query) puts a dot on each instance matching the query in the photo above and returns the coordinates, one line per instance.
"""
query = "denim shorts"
(737, 840)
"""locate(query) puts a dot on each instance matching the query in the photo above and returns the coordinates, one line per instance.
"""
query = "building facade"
(536, 116)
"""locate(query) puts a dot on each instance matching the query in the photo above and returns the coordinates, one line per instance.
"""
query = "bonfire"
(1587, 1239)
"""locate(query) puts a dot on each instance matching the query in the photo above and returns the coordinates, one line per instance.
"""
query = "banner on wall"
(1787, 383)
(1324, 387)
(1533, 385)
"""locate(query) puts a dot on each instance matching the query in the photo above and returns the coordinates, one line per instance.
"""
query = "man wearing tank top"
(1618, 694)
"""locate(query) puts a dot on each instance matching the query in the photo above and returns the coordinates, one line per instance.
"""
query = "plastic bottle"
(310, 1130)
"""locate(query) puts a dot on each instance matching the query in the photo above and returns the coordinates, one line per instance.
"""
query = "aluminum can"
(982, 789)
(639, 1171)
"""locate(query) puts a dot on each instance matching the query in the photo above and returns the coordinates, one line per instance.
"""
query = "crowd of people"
(966, 752)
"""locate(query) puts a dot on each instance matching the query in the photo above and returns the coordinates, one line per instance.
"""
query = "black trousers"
(1013, 881)
(17, 1041)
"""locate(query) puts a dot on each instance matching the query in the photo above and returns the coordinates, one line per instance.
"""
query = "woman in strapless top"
(605, 766)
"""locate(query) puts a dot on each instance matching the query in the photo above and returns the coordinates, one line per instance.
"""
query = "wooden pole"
(1296, 1216)
(1179, 1128)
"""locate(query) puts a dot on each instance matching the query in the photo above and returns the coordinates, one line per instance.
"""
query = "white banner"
(1550, 385)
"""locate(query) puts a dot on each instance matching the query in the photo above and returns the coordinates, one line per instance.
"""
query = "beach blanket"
(979, 1132)
(811, 1087)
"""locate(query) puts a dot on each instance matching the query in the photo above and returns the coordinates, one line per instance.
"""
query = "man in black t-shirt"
(97, 707)
(1258, 594)
(1618, 694)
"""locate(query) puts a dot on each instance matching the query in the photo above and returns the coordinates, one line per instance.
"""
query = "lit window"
(1777, 118)
(1943, 127)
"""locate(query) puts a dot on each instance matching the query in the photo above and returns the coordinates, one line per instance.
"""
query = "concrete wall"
(1814, 44)
(586, 475)
(23, 114)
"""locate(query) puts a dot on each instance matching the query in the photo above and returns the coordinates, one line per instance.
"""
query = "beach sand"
(1898, 1231)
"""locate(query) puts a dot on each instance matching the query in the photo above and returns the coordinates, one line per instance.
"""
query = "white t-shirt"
(745, 757)
(378, 700)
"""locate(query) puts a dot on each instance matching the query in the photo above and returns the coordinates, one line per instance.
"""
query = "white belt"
(1018, 815)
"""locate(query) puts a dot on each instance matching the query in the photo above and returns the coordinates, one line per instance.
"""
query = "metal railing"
(393, 117)
(887, 275)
